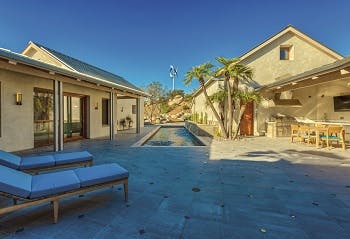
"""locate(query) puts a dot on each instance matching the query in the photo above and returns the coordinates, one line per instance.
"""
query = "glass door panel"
(73, 108)
(43, 117)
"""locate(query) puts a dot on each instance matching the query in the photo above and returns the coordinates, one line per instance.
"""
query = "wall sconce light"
(18, 98)
(122, 109)
(96, 106)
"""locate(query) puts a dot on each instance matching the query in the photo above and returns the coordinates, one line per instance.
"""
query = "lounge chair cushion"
(100, 174)
(15, 182)
(65, 158)
(9, 160)
(53, 183)
(37, 162)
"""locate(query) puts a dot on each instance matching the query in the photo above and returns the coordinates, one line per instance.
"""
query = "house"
(49, 98)
(283, 65)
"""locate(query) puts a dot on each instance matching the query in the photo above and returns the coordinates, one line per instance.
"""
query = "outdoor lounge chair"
(35, 164)
(28, 190)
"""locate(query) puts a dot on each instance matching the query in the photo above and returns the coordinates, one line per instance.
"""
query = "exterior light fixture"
(18, 98)
(122, 109)
(96, 106)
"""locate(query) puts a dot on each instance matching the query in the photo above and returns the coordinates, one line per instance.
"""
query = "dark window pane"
(105, 111)
(284, 53)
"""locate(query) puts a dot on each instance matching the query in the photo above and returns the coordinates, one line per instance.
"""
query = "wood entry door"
(247, 124)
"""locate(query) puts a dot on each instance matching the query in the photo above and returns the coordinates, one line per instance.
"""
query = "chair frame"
(54, 199)
(339, 131)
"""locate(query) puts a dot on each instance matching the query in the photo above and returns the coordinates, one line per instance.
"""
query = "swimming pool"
(173, 136)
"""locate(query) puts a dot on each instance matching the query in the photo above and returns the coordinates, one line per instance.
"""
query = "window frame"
(287, 50)
(103, 111)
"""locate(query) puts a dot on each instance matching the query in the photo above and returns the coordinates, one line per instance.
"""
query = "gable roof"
(28, 61)
(289, 28)
(298, 33)
(85, 68)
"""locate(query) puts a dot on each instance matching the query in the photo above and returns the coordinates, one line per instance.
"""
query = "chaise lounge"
(35, 164)
(28, 190)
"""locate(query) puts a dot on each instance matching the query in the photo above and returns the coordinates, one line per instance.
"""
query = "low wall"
(201, 129)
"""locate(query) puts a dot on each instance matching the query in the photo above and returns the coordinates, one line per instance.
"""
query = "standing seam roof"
(88, 69)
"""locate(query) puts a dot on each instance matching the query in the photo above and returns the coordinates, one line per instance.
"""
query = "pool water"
(173, 136)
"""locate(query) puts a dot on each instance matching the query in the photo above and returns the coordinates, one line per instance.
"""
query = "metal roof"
(108, 79)
(86, 68)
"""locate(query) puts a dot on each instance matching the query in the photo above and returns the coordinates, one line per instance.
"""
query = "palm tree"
(200, 73)
(219, 97)
(232, 70)
(244, 97)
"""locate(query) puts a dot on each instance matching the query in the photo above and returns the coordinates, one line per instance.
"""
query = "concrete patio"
(252, 188)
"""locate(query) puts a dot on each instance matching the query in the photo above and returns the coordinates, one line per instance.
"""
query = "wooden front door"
(247, 124)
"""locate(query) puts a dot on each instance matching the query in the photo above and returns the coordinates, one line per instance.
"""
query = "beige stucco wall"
(39, 54)
(126, 105)
(17, 132)
(268, 67)
(16, 120)
(199, 102)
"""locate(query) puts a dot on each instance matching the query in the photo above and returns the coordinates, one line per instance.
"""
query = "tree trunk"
(241, 112)
(217, 117)
(230, 108)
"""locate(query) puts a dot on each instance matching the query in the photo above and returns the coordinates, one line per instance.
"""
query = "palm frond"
(197, 72)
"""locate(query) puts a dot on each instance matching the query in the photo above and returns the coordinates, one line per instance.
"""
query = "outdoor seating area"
(320, 135)
(28, 190)
(38, 163)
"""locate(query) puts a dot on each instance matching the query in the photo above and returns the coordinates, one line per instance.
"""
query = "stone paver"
(252, 188)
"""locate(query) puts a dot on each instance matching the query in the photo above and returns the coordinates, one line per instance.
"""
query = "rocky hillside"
(175, 109)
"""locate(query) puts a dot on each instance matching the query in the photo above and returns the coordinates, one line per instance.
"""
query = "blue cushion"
(15, 182)
(53, 183)
(9, 160)
(37, 162)
(74, 157)
(100, 174)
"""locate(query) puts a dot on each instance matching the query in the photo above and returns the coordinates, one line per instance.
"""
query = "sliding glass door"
(74, 111)
(43, 117)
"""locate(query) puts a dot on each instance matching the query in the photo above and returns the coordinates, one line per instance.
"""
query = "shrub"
(186, 107)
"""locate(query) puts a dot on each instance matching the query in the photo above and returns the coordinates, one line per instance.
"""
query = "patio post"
(111, 129)
(58, 115)
(138, 122)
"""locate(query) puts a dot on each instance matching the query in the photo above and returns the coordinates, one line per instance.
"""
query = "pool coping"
(155, 130)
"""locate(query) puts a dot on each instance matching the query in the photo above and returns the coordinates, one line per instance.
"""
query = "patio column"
(111, 129)
(138, 122)
(58, 115)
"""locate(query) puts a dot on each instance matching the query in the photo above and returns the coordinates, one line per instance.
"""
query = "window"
(105, 112)
(341, 103)
(286, 52)
(134, 109)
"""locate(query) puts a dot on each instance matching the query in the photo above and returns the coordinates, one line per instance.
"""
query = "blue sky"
(139, 39)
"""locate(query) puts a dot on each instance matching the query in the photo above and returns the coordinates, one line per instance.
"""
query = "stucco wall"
(16, 120)
(199, 102)
(126, 105)
(39, 54)
(269, 68)
(17, 132)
